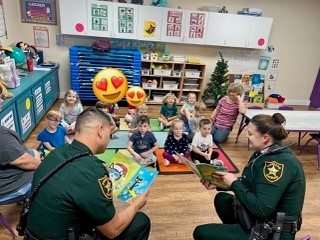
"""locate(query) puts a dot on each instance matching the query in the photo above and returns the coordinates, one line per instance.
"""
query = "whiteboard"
(241, 60)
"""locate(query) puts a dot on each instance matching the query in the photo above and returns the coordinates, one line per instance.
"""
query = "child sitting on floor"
(143, 144)
(70, 110)
(199, 109)
(130, 114)
(53, 135)
(169, 111)
(142, 110)
(104, 108)
(176, 142)
(202, 144)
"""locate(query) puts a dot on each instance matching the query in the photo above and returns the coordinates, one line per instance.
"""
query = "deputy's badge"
(106, 186)
(272, 171)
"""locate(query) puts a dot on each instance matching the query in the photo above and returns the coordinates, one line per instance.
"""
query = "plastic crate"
(192, 73)
(190, 85)
(158, 98)
(170, 85)
(149, 85)
(176, 73)
(162, 72)
(191, 81)
(145, 72)
(145, 57)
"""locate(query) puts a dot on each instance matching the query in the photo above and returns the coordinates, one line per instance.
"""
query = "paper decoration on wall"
(275, 63)
(197, 21)
(263, 63)
(3, 29)
(99, 20)
(125, 22)
(41, 36)
(61, 40)
(174, 23)
(142, 46)
(270, 48)
(269, 86)
(272, 76)
(149, 28)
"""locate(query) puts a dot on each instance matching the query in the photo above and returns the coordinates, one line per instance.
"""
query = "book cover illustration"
(205, 171)
(258, 98)
(128, 177)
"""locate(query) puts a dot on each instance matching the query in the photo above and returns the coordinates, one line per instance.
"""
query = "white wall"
(295, 34)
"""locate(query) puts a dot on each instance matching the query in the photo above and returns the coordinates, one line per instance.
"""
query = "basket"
(145, 57)
(192, 73)
(145, 72)
(176, 73)
(158, 98)
(162, 72)
(149, 85)
(170, 85)
(190, 85)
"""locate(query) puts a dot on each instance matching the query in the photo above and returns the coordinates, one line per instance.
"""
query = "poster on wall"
(3, 29)
(196, 29)
(174, 23)
(125, 20)
(149, 28)
(38, 11)
(41, 37)
(99, 19)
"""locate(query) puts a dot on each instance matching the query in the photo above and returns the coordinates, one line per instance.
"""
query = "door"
(100, 18)
(38, 102)
(73, 17)
(25, 110)
(195, 27)
(149, 24)
(172, 28)
(260, 28)
(315, 95)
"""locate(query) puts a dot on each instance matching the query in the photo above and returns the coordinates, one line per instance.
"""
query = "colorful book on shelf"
(258, 98)
(206, 171)
(128, 177)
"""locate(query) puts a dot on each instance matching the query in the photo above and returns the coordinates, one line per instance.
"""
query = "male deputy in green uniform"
(273, 181)
(79, 196)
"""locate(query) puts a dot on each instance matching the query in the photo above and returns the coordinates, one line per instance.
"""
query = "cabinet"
(233, 30)
(161, 77)
(30, 101)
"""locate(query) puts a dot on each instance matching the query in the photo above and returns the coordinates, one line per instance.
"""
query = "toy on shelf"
(31, 50)
(159, 3)
(5, 92)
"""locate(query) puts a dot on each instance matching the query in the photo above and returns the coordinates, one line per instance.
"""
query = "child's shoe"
(166, 162)
(163, 126)
(216, 162)
(196, 161)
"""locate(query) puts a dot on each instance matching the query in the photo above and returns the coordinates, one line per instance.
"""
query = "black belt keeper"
(278, 225)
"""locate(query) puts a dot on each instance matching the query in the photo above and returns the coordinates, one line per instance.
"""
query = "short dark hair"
(101, 104)
(143, 119)
(88, 116)
(204, 121)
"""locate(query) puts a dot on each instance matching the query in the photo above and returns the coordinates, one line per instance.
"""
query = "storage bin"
(145, 72)
(149, 85)
(176, 73)
(192, 73)
(170, 85)
(183, 98)
(158, 98)
(145, 57)
(178, 58)
(162, 72)
(273, 105)
(190, 85)
(191, 80)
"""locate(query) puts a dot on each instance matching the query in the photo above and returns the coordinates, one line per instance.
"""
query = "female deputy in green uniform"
(78, 197)
(270, 193)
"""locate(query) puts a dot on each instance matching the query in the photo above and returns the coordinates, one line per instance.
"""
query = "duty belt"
(290, 227)
(28, 236)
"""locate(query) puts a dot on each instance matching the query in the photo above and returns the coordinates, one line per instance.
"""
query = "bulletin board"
(241, 60)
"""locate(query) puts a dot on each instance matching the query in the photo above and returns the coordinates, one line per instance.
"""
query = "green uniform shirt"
(274, 182)
(79, 195)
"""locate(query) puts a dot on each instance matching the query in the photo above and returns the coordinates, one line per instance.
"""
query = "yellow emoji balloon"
(110, 85)
(136, 96)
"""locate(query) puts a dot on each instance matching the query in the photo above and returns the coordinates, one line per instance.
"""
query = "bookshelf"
(161, 77)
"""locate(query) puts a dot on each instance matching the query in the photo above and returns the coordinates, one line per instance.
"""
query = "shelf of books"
(253, 87)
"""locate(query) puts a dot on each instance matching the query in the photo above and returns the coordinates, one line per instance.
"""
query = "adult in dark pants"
(273, 181)
(17, 164)
(79, 196)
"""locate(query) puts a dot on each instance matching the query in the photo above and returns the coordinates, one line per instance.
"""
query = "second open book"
(205, 171)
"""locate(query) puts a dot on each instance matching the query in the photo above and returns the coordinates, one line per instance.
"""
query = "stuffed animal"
(159, 3)
(5, 92)
(32, 51)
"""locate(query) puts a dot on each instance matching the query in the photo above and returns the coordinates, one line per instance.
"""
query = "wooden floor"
(178, 203)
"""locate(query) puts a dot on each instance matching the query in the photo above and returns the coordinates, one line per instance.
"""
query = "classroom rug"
(180, 169)
(154, 123)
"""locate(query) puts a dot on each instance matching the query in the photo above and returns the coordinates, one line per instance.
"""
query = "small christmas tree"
(217, 87)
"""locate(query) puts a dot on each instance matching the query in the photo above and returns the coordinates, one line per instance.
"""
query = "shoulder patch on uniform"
(272, 171)
(105, 184)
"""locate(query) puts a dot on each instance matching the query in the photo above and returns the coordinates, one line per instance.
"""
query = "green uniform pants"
(229, 230)
(138, 229)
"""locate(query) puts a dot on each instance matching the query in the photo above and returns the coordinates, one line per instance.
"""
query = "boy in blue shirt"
(54, 135)
(142, 144)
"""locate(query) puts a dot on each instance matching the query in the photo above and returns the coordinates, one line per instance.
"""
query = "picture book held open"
(128, 177)
(205, 171)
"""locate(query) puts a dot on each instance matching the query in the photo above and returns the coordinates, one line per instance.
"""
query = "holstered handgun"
(278, 225)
